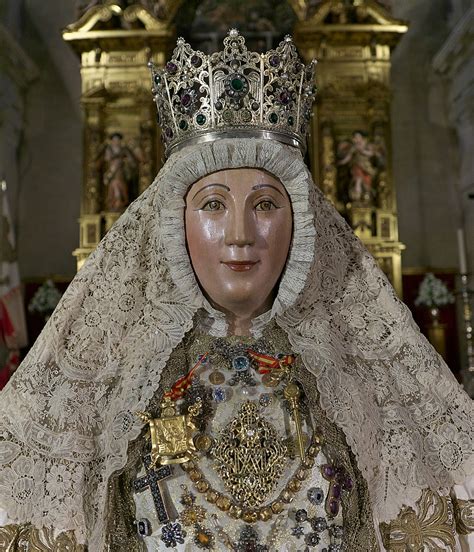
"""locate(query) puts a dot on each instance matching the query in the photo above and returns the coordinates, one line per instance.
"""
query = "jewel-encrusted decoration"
(143, 527)
(249, 456)
(233, 90)
(315, 495)
(203, 538)
(265, 512)
(249, 541)
(339, 482)
(151, 481)
(172, 534)
(192, 513)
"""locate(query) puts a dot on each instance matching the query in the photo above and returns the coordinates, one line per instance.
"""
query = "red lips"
(240, 266)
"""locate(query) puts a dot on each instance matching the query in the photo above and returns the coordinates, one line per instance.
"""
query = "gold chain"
(251, 515)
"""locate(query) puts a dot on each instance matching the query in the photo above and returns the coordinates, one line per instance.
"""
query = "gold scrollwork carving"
(26, 538)
(430, 528)
(464, 515)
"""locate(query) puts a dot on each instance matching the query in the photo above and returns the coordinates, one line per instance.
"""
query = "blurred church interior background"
(392, 141)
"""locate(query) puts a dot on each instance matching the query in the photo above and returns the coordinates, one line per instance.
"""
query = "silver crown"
(233, 93)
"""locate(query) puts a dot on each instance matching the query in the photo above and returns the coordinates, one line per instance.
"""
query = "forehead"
(239, 179)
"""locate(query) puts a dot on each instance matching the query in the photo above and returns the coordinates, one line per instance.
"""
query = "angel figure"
(364, 160)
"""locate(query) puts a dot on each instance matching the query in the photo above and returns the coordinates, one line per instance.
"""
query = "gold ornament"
(171, 434)
(292, 393)
(249, 455)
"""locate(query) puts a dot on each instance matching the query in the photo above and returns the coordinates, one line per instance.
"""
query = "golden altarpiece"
(350, 150)
(121, 138)
(350, 146)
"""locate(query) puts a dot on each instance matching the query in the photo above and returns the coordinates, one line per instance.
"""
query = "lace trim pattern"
(67, 415)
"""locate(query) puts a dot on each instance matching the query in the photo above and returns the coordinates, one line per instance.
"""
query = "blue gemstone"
(219, 394)
(240, 363)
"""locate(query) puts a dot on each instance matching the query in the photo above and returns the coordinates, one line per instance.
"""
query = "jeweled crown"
(233, 93)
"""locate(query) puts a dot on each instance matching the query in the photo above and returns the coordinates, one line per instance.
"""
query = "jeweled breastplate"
(234, 461)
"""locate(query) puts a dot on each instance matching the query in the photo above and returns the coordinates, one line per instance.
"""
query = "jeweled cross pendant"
(151, 480)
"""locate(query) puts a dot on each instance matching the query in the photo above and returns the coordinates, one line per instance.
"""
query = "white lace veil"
(66, 417)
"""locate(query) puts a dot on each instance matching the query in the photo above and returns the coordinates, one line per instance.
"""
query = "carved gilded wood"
(115, 44)
(350, 152)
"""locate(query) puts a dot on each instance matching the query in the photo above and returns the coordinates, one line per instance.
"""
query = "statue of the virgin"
(230, 370)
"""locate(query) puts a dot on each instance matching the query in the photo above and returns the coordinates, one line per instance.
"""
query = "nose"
(240, 228)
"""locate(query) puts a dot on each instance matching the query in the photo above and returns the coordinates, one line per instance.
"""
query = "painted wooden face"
(238, 229)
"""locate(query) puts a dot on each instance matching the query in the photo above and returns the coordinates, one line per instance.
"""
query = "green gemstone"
(200, 119)
(290, 120)
(183, 125)
(273, 118)
(237, 84)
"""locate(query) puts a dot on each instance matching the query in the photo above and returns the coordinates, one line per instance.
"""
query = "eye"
(265, 205)
(213, 205)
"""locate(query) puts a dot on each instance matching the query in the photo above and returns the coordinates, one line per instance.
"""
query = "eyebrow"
(259, 186)
(209, 185)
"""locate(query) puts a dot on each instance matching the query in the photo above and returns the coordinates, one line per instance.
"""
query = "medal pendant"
(216, 377)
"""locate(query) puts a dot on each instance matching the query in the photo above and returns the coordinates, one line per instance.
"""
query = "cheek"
(203, 237)
(275, 234)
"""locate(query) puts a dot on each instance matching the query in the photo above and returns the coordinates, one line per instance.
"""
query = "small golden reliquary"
(172, 434)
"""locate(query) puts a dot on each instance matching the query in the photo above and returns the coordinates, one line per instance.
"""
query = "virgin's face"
(238, 231)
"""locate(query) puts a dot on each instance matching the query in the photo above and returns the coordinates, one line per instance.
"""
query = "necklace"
(265, 513)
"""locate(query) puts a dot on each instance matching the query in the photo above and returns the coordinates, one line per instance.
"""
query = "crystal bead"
(219, 394)
(347, 484)
(183, 125)
(297, 531)
(328, 471)
(200, 119)
(285, 97)
(157, 79)
(334, 507)
(290, 120)
(336, 491)
(143, 527)
(336, 531)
